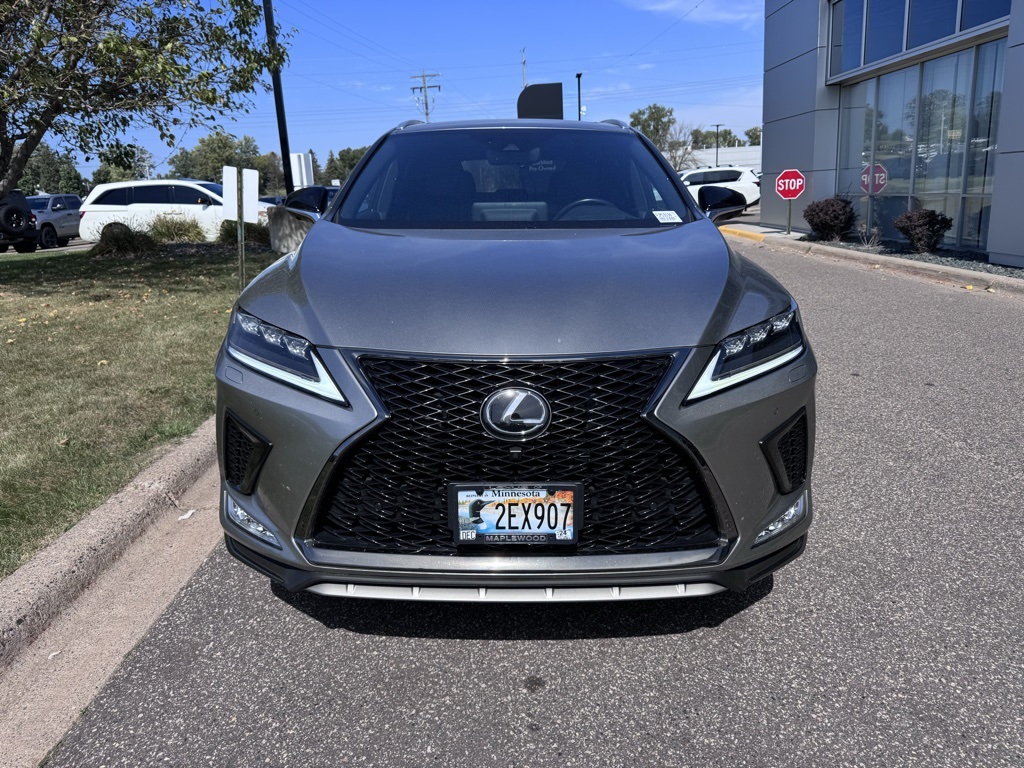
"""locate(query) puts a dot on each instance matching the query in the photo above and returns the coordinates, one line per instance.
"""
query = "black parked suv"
(17, 223)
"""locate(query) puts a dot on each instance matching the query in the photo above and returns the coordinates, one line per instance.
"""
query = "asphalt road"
(895, 641)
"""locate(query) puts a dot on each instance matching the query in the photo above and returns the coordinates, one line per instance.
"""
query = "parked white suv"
(743, 180)
(138, 203)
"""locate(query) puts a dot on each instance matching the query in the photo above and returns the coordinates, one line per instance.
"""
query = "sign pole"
(241, 236)
(789, 217)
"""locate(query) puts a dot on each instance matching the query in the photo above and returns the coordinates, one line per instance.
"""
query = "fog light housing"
(249, 523)
(785, 521)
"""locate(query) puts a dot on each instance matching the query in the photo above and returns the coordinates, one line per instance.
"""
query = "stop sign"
(790, 184)
(874, 178)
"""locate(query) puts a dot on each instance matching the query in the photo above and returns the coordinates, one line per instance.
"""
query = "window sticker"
(668, 217)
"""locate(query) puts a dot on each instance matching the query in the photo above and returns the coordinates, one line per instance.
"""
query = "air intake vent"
(244, 454)
(786, 451)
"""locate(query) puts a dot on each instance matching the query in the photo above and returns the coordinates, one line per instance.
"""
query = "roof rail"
(407, 123)
(613, 121)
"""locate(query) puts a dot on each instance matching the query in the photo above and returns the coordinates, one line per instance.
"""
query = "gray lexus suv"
(516, 361)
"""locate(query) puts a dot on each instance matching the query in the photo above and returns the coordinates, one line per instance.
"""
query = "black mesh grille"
(641, 492)
(243, 455)
(238, 449)
(792, 447)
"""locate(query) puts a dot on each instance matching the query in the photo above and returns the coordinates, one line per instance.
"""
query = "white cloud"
(642, 67)
(746, 13)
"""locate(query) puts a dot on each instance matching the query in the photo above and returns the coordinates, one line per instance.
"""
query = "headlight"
(742, 356)
(279, 355)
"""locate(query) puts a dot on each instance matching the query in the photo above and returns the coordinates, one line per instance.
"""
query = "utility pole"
(717, 126)
(579, 102)
(425, 90)
(522, 54)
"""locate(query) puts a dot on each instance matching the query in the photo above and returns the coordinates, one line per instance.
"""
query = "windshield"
(38, 203)
(513, 177)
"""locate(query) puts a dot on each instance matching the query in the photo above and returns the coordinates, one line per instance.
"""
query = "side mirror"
(204, 201)
(721, 203)
(686, 183)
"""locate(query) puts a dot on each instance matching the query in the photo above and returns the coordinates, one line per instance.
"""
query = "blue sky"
(351, 64)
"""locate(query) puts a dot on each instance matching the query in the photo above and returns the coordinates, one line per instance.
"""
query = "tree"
(655, 122)
(206, 160)
(340, 166)
(51, 171)
(753, 136)
(702, 139)
(133, 163)
(271, 173)
(726, 138)
(85, 71)
(679, 150)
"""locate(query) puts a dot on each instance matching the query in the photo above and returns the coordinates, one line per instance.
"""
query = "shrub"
(923, 228)
(176, 229)
(255, 234)
(831, 218)
(121, 240)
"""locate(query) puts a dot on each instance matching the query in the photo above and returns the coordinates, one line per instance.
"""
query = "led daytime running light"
(277, 346)
(750, 353)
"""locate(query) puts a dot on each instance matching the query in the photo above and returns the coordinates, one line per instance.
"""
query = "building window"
(894, 26)
(885, 29)
(931, 20)
(977, 12)
(929, 132)
(847, 35)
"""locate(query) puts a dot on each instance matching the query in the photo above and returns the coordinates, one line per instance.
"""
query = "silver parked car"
(56, 218)
(515, 361)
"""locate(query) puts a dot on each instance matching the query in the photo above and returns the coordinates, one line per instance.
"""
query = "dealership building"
(898, 105)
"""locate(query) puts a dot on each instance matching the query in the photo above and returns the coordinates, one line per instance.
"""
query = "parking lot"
(894, 641)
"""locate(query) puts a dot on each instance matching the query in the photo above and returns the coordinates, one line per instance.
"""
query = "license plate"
(521, 513)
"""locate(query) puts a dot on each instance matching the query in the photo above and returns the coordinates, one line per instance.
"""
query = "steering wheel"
(584, 201)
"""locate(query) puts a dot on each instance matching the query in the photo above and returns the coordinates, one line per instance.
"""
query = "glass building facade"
(922, 135)
(865, 32)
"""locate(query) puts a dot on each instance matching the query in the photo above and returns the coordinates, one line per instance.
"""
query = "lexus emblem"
(515, 414)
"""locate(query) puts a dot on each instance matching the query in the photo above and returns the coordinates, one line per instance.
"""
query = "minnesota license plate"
(523, 513)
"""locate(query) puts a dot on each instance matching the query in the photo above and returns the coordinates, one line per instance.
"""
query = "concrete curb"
(961, 277)
(757, 237)
(36, 594)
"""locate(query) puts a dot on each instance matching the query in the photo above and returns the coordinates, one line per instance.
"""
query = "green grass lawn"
(102, 363)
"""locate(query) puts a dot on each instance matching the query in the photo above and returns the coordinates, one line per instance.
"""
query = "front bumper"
(724, 433)
(517, 588)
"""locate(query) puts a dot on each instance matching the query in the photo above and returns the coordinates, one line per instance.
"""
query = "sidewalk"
(965, 278)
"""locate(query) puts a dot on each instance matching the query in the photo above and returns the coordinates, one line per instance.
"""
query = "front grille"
(641, 491)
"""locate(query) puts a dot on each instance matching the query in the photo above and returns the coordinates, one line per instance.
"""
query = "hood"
(537, 293)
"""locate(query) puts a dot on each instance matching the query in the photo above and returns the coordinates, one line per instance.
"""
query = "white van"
(138, 203)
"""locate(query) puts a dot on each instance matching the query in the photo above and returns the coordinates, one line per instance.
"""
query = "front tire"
(25, 246)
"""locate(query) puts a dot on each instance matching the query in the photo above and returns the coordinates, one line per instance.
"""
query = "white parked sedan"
(138, 203)
(743, 180)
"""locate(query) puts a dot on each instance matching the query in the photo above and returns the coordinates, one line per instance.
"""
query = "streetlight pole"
(275, 78)
(717, 126)
(579, 102)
